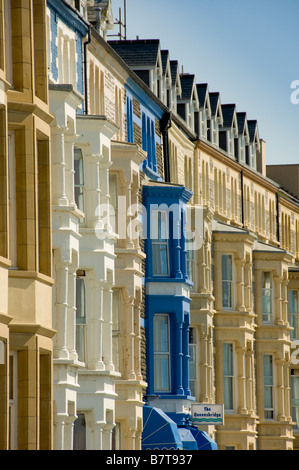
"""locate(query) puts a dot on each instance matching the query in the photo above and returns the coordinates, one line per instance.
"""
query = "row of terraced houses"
(149, 258)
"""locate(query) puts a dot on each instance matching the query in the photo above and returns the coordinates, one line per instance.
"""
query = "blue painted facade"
(150, 112)
(61, 11)
(167, 315)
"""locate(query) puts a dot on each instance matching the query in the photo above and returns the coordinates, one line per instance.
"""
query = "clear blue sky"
(246, 50)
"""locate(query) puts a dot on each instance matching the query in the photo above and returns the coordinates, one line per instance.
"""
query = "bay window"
(161, 353)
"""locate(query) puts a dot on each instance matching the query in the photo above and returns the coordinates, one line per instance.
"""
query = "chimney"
(261, 158)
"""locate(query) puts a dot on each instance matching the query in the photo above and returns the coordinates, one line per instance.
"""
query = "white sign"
(207, 414)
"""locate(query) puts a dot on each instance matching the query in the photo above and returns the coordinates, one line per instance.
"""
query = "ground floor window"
(80, 432)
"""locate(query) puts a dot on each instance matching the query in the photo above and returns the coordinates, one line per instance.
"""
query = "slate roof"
(165, 58)
(174, 67)
(214, 99)
(241, 119)
(228, 111)
(187, 83)
(139, 52)
(252, 128)
(202, 90)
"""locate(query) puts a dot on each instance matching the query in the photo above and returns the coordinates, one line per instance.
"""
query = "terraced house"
(148, 255)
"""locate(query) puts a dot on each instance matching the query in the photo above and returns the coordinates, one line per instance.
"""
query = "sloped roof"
(214, 100)
(202, 90)
(241, 119)
(165, 58)
(174, 67)
(228, 111)
(139, 52)
(252, 128)
(187, 82)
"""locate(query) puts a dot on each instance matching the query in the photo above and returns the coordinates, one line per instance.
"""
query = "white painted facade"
(84, 264)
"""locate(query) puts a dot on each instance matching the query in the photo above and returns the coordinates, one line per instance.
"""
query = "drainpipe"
(242, 198)
(85, 72)
(165, 124)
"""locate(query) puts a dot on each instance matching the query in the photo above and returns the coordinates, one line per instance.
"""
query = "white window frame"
(267, 318)
(294, 316)
(231, 281)
(194, 347)
(271, 387)
(162, 353)
(83, 325)
(231, 377)
(160, 243)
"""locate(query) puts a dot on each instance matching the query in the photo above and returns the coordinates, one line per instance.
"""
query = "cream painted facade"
(26, 265)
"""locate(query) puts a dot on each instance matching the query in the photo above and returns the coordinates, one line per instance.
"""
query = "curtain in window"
(161, 353)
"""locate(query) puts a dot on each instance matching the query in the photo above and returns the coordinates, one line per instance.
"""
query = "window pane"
(161, 343)
(227, 267)
(80, 433)
(228, 359)
(160, 259)
(161, 353)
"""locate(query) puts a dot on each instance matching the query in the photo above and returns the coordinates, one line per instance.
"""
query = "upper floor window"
(295, 400)
(130, 128)
(268, 386)
(228, 372)
(293, 313)
(79, 179)
(160, 251)
(80, 318)
(148, 141)
(161, 353)
(192, 360)
(267, 297)
(227, 281)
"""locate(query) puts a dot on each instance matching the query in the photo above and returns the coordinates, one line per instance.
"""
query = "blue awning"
(159, 431)
(189, 442)
(204, 441)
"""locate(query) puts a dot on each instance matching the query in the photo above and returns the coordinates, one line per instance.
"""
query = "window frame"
(82, 326)
(270, 289)
(229, 378)
(270, 409)
(166, 353)
(230, 281)
(155, 242)
(293, 315)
